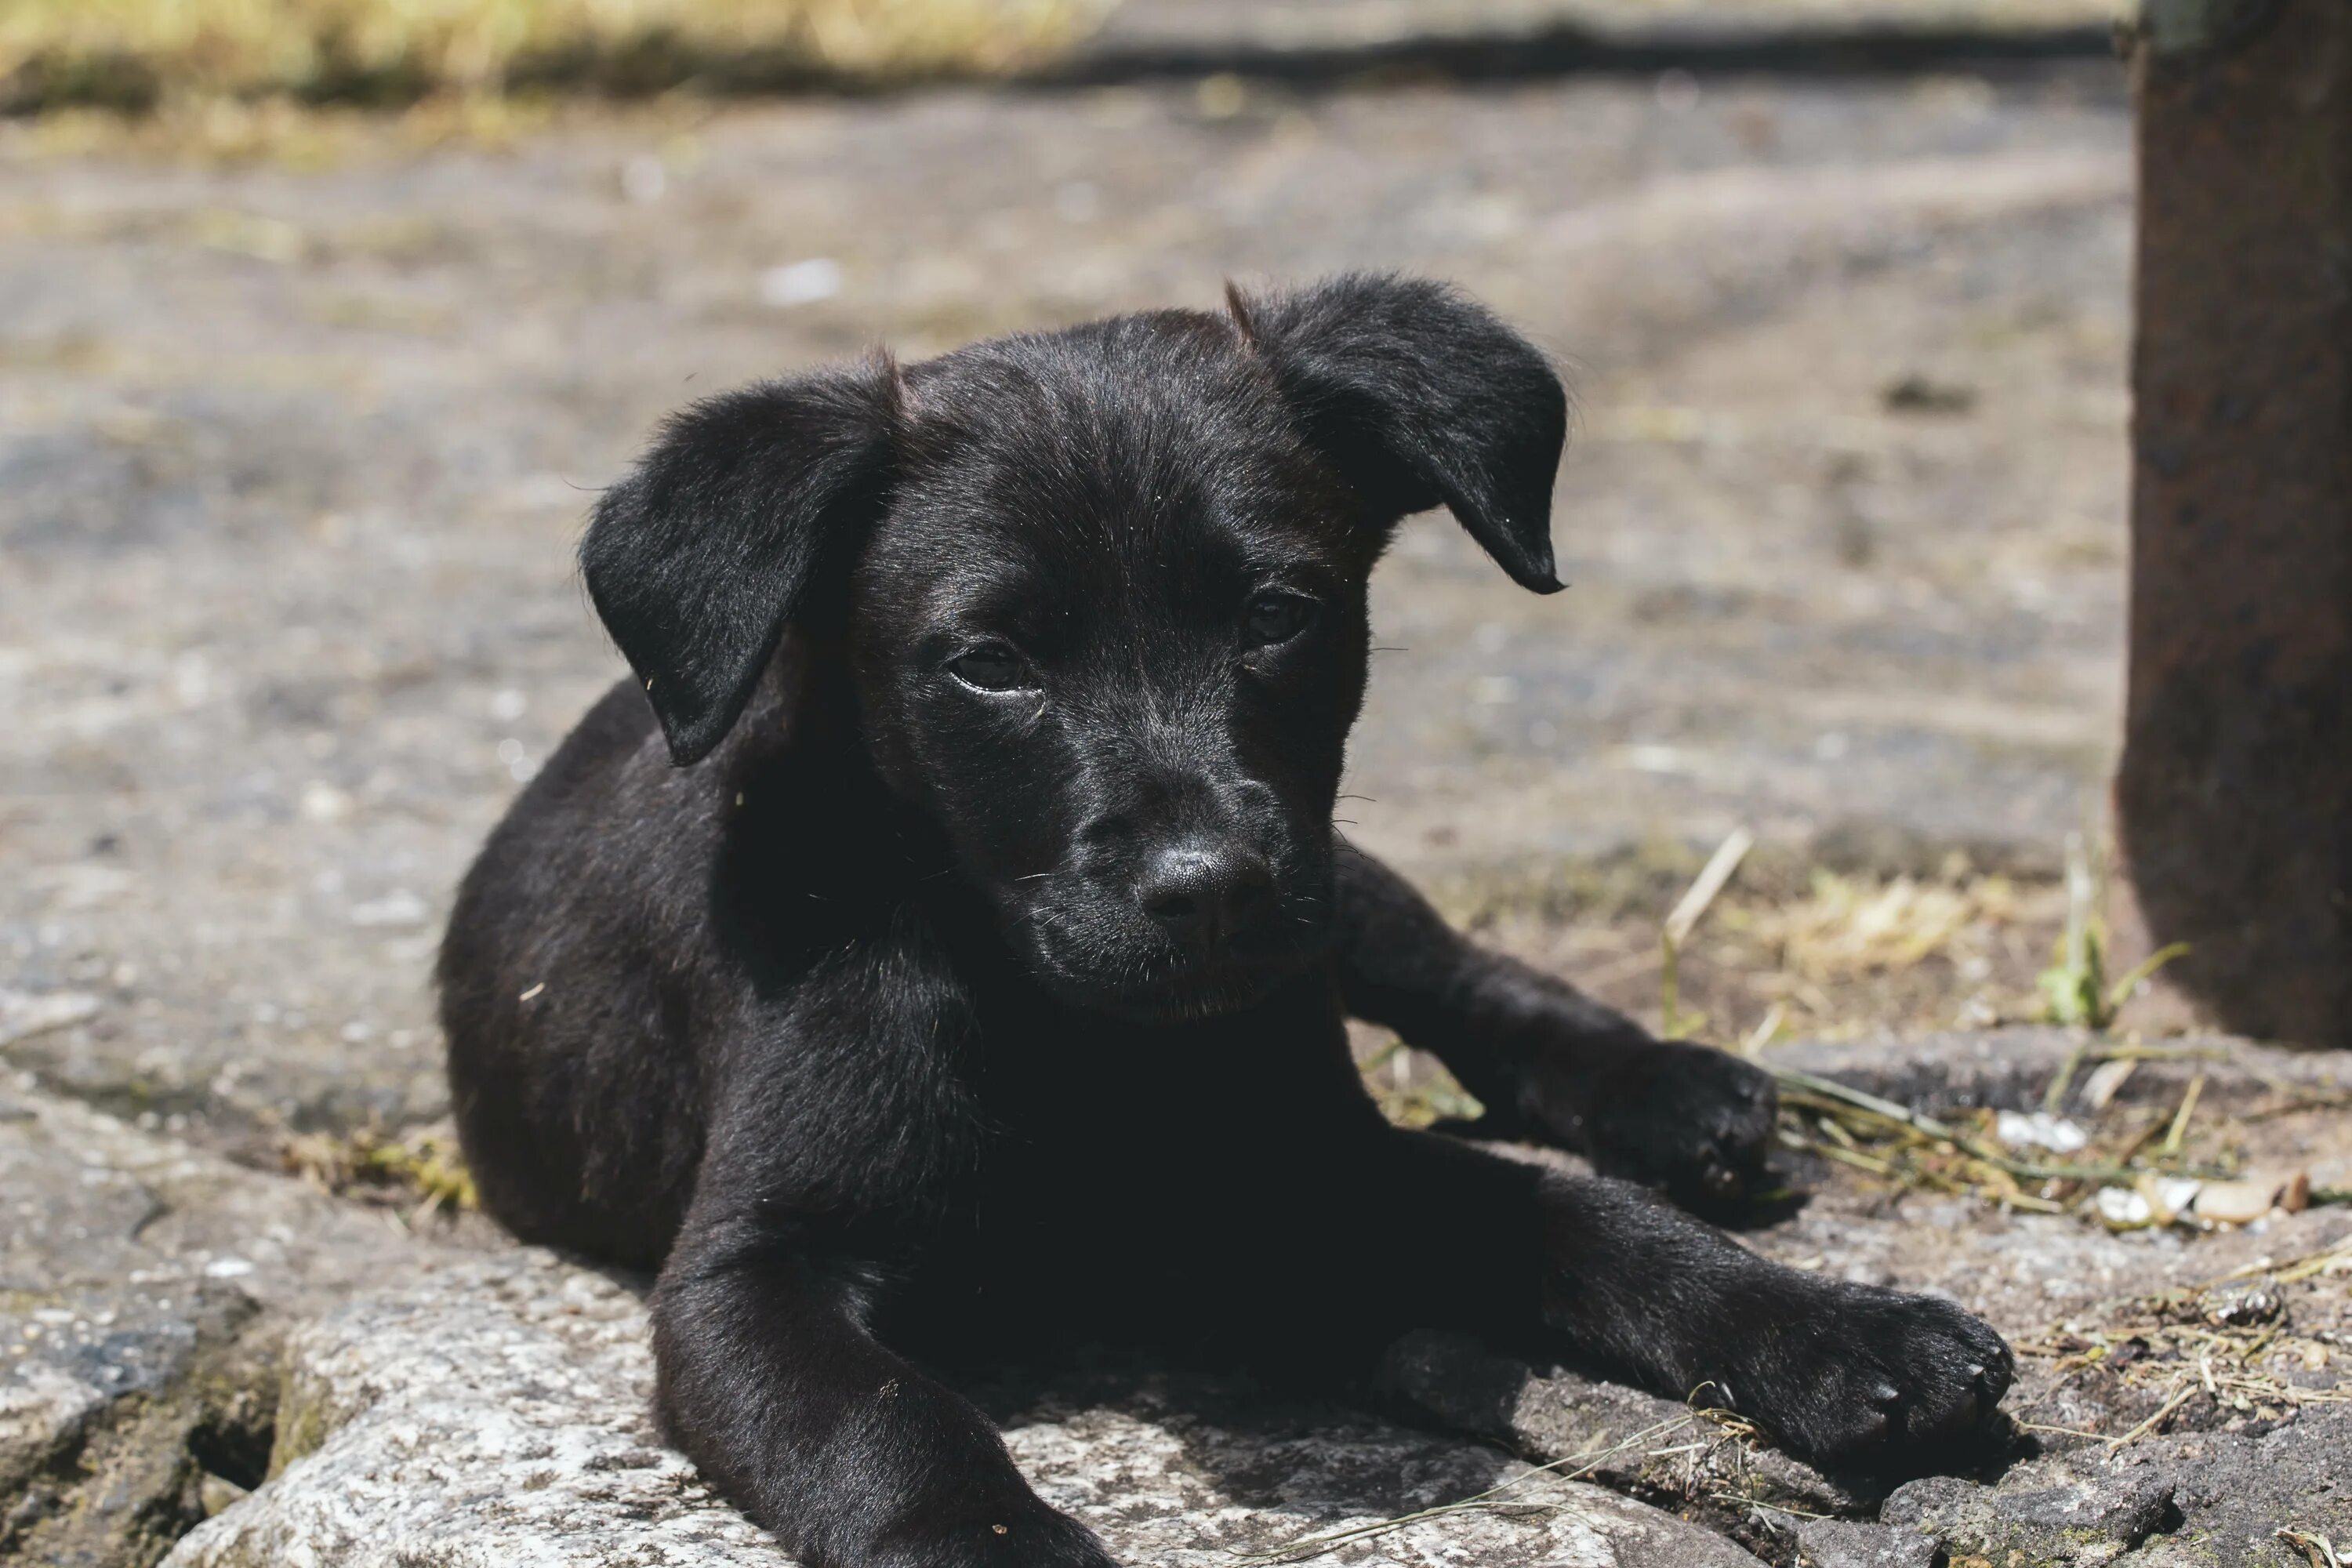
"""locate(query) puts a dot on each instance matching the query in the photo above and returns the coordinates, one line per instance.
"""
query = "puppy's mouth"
(1151, 982)
(1206, 990)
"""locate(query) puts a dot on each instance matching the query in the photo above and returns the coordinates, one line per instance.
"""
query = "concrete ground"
(291, 461)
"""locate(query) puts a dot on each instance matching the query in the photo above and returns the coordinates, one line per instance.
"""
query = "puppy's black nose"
(1201, 893)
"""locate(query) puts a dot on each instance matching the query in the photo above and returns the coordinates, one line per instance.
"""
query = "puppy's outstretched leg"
(1852, 1377)
(1551, 1064)
(769, 1381)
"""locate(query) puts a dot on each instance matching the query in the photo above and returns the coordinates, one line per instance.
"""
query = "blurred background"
(321, 320)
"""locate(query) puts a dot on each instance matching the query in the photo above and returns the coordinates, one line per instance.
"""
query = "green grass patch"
(137, 54)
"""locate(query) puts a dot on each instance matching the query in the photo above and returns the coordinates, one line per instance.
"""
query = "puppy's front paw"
(1867, 1381)
(1692, 1121)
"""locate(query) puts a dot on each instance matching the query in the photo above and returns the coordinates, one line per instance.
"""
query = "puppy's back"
(576, 1092)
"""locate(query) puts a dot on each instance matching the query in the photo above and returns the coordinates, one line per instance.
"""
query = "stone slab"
(143, 1288)
(495, 1413)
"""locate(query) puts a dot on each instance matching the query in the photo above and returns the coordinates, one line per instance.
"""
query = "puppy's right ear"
(699, 557)
(1418, 397)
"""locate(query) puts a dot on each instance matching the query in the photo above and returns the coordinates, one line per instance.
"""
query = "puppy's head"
(1099, 594)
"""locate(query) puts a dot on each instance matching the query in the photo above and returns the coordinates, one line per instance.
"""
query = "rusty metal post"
(2234, 806)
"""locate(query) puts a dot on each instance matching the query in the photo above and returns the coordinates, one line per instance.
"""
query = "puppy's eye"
(1275, 618)
(992, 666)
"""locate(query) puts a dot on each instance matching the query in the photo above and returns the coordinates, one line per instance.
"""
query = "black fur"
(981, 985)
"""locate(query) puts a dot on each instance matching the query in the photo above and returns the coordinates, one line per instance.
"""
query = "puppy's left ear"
(1419, 397)
(699, 557)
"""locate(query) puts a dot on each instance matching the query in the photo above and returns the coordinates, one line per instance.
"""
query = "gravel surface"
(291, 460)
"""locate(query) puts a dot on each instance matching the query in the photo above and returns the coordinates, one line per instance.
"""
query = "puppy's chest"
(1120, 1136)
(1117, 1132)
(1074, 1226)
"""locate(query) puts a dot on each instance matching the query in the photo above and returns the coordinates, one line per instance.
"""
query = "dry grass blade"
(2146, 969)
(1887, 1110)
(1411, 1100)
(2179, 1129)
(2054, 1100)
(1736, 1500)
(1968, 1156)
(2318, 1550)
(1829, 1088)
(2324, 1261)
(1683, 919)
(1766, 1030)
(1708, 885)
(2180, 1396)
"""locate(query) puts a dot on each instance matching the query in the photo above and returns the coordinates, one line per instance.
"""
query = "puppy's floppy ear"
(1418, 396)
(697, 558)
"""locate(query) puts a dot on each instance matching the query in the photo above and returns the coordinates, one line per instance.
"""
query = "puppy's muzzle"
(1204, 891)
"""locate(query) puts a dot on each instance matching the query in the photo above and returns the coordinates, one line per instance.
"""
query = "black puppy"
(941, 947)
